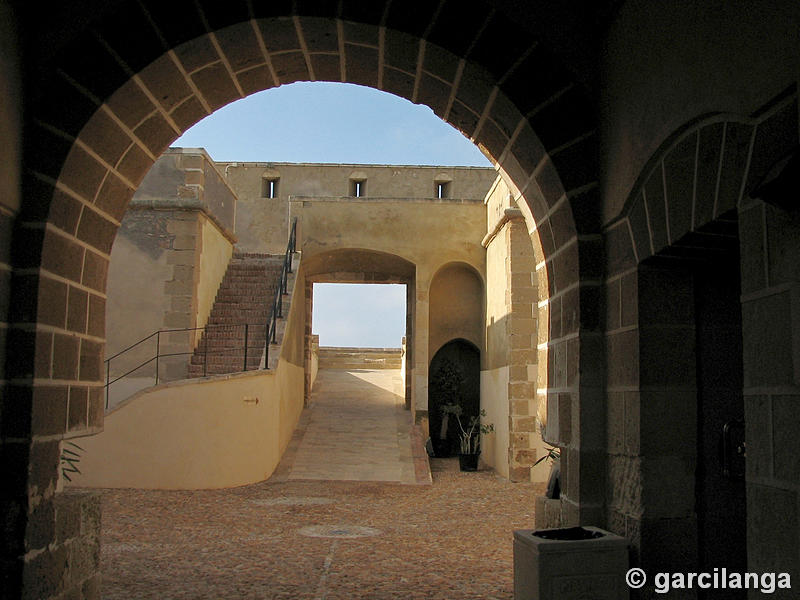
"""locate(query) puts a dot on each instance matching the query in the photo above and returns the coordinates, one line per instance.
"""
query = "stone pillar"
(419, 377)
(512, 333)
(521, 296)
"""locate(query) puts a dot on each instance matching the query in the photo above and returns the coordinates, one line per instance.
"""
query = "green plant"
(470, 436)
(69, 460)
(553, 454)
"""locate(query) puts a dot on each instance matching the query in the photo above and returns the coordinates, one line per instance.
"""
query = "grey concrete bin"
(575, 563)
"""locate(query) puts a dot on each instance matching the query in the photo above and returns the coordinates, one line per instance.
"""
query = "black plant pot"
(468, 462)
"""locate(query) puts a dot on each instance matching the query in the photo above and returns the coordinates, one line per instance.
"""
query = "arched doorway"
(454, 377)
(110, 93)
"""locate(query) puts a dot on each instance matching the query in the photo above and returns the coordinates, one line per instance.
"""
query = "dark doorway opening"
(463, 358)
(720, 482)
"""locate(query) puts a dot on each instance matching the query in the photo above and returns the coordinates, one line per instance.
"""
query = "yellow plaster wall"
(203, 433)
(197, 434)
(494, 400)
(427, 233)
(495, 377)
(293, 344)
(215, 254)
(497, 309)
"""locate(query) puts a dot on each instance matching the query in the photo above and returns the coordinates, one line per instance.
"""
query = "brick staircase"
(242, 304)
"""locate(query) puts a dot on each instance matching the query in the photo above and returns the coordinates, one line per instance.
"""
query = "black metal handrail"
(277, 302)
(276, 312)
(159, 355)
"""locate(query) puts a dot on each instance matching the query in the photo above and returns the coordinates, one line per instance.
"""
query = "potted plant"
(469, 437)
(553, 454)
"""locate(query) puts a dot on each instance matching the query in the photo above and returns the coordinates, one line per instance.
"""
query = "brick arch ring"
(706, 170)
(121, 93)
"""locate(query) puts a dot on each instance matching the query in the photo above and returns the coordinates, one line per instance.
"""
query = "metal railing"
(276, 312)
(277, 303)
(246, 348)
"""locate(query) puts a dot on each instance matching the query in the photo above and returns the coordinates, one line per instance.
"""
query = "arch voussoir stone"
(362, 65)
(165, 81)
(239, 46)
(216, 85)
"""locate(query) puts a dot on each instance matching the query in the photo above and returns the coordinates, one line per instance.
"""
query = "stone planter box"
(569, 564)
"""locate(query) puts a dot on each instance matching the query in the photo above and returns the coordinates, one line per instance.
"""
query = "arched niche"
(458, 364)
(456, 308)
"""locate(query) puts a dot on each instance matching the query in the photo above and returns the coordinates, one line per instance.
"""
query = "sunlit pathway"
(356, 429)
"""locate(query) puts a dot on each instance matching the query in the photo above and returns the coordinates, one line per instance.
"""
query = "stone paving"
(357, 429)
(299, 536)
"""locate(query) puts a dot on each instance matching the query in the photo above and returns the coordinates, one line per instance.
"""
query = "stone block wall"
(71, 569)
(176, 236)
(512, 332)
(770, 238)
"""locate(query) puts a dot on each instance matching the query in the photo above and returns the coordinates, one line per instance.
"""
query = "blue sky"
(331, 122)
(337, 123)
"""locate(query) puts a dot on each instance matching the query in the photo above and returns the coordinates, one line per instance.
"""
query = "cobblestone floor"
(450, 540)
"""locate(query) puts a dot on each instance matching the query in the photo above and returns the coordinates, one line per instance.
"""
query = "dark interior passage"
(720, 413)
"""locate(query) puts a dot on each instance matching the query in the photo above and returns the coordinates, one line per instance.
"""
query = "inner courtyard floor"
(353, 511)
(448, 540)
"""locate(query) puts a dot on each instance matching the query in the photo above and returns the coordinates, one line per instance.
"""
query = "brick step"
(254, 302)
(232, 320)
(258, 266)
(239, 311)
(249, 273)
(235, 331)
(247, 290)
(234, 338)
(241, 306)
(196, 371)
(247, 268)
(254, 264)
(261, 264)
(252, 307)
(245, 286)
(250, 282)
(225, 358)
(231, 341)
(259, 314)
(231, 345)
(225, 355)
(228, 307)
(244, 297)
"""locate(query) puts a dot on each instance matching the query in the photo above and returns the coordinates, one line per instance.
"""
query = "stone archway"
(689, 232)
(113, 92)
(361, 266)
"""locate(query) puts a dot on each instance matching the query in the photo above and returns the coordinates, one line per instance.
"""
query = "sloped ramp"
(357, 429)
